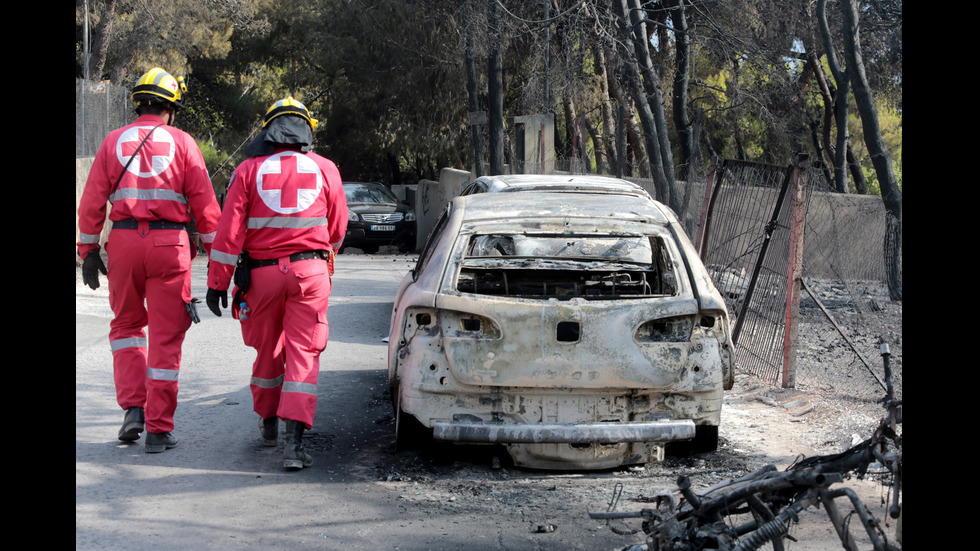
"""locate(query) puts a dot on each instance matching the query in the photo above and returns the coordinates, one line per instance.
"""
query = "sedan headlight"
(410, 216)
(352, 216)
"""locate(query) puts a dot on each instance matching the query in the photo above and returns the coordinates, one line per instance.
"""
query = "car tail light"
(674, 329)
(464, 324)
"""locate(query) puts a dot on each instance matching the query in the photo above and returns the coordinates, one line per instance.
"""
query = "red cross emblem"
(289, 182)
(155, 155)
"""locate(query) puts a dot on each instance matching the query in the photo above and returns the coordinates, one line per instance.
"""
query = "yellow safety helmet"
(158, 85)
(288, 106)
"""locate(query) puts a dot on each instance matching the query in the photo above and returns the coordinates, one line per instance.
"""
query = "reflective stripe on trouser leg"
(154, 267)
(129, 371)
(168, 290)
(287, 327)
(298, 402)
(127, 336)
(262, 330)
(161, 402)
(265, 394)
(306, 330)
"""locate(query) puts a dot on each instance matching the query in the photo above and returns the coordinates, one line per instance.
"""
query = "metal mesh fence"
(845, 310)
(100, 107)
(749, 220)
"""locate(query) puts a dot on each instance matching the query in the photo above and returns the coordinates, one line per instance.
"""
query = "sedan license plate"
(382, 228)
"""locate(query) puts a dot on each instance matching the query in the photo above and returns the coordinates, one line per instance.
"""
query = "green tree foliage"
(890, 120)
(142, 35)
(397, 93)
(386, 78)
(385, 81)
(213, 159)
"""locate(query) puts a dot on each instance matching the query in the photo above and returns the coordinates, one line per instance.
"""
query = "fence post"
(705, 210)
(794, 271)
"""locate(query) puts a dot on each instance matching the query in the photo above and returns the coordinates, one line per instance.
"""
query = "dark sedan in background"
(377, 218)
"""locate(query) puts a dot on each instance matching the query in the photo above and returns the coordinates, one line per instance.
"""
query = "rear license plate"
(382, 228)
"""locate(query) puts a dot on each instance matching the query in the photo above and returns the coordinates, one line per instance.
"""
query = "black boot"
(293, 456)
(269, 428)
(157, 442)
(132, 424)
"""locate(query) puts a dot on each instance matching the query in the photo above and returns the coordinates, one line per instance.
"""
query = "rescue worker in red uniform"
(155, 177)
(285, 214)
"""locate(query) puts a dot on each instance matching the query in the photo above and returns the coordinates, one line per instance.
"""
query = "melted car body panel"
(529, 352)
(580, 331)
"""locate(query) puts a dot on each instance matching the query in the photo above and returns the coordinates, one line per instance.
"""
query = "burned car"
(565, 184)
(578, 330)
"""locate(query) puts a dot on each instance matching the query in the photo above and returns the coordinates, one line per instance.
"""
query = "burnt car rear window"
(567, 266)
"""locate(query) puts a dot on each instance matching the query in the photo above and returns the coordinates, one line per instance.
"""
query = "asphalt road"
(221, 489)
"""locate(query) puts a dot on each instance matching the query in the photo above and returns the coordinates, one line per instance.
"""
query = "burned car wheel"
(409, 432)
(705, 441)
(705, 438)
(579, 331)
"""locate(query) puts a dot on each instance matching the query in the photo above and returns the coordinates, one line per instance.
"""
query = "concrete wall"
(433, 196)
(535, 143)
(844, 233)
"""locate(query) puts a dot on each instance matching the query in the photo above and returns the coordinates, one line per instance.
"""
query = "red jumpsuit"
(166, 182)
(288, 204)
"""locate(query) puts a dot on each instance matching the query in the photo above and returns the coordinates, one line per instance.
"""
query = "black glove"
(91, 267)
(212, 299)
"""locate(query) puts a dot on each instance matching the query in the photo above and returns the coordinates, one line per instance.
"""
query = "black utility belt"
(307, 255)
(133, 224)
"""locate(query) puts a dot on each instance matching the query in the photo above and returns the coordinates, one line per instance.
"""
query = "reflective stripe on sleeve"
(208, 237)
(283, 222)
(149, 195)
(162, 374)
(224, 258)
(88, 238)
(131, 342)
(268, 383)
